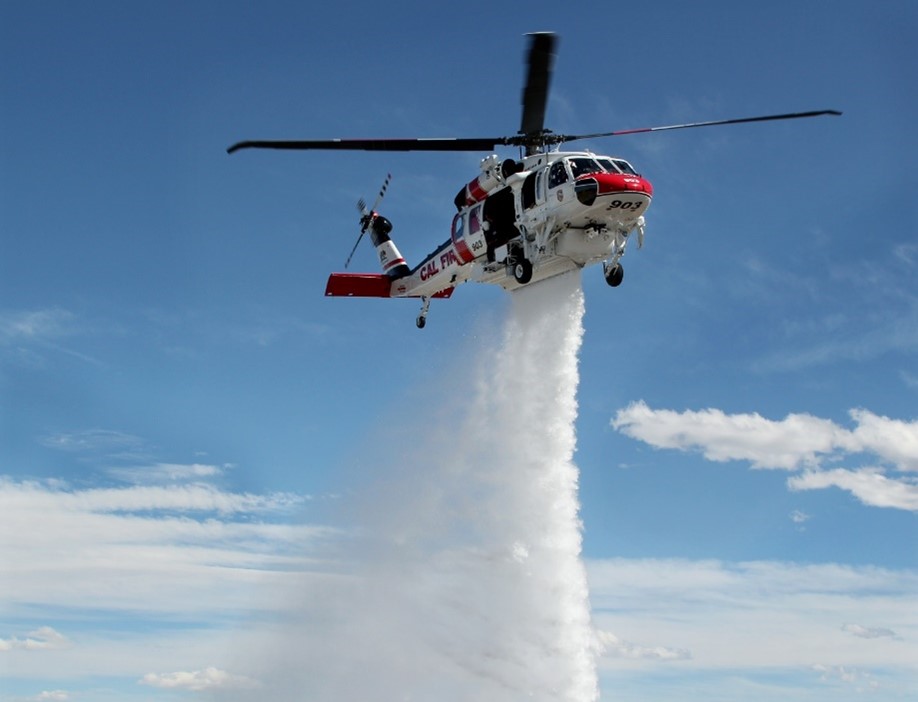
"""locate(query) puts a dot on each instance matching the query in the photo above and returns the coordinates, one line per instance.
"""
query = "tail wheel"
(522, 271)
(614, 275)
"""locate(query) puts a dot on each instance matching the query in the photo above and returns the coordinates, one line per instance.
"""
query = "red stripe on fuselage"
(476, 192)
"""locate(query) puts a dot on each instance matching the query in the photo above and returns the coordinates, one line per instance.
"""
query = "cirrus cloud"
(868, 632)
(144, 548)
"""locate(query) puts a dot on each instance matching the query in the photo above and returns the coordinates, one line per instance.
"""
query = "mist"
(461, 577)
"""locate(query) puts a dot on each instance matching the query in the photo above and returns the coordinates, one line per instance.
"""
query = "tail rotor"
(367, 215)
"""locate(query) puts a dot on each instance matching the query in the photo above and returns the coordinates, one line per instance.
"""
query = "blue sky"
(186, 422)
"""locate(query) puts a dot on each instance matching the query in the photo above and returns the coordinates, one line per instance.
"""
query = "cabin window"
(474, 221)
(557, 175)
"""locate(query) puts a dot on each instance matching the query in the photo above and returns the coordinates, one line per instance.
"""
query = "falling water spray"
(465, 581)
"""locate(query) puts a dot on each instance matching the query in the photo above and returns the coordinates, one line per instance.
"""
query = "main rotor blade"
(529, 139)
(535, 94)
(561, 138)
(435, 144)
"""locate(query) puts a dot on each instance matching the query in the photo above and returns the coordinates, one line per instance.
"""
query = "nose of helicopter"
(601, 185)
(622, 183)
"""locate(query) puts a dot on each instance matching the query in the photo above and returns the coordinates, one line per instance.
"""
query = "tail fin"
(372, 284)
(390, 259)
(392, 262)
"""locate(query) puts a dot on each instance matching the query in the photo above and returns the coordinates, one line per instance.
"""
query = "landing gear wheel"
(522, 271)
(614, 275)
(421, 321)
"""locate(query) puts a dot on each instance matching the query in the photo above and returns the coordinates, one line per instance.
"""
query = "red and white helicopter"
(520, 220)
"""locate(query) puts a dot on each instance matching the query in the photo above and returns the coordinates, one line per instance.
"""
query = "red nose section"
(626, 193)
(621, 183)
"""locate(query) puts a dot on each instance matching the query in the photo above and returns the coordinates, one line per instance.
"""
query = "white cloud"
(51, 696)
(891, 439)
(894, 330)
(188, 548)
(754, 616)
(184, 498)
(34, 325)
(611, 645)
(208, 679)
(861, 680)
(166, 472)
(865, 632)
(94, 440)
(869, 485)
(28, 333)
(106, 447)
(726, 621)
(42, 639)
(689, 616)
(907, 253)
(799, 441)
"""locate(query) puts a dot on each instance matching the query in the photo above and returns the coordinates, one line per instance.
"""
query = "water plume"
(465, 581)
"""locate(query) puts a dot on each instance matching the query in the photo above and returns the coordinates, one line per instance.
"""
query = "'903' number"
(619, 205)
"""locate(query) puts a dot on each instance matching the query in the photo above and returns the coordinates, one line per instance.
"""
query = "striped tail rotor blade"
(382, 191)
(366, 216)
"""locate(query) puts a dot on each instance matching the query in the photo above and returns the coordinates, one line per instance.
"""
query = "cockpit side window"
(557, 175)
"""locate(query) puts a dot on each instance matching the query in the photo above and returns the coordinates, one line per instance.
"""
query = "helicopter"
(520, 220)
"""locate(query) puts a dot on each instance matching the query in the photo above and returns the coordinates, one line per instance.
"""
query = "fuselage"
(558, 211)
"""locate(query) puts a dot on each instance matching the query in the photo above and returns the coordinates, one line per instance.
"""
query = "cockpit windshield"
(582, 165)
(617, 165)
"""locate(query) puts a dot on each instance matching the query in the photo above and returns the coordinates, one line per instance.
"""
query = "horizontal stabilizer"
(371, 285)
(358, 285)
